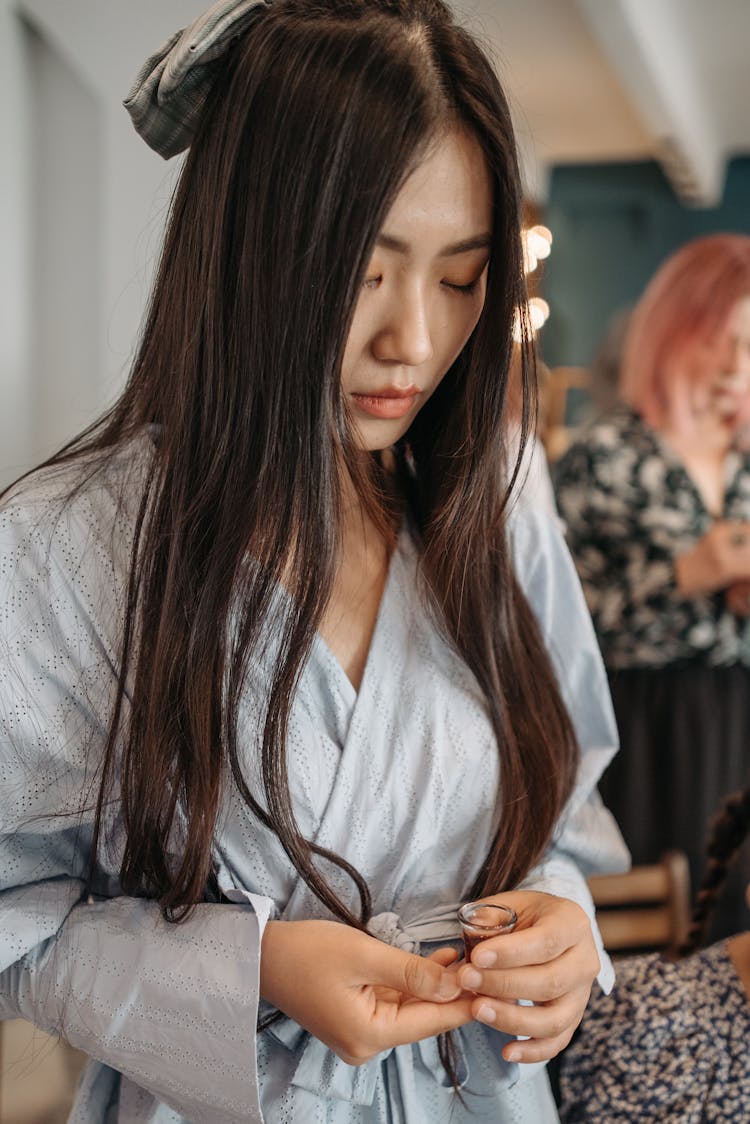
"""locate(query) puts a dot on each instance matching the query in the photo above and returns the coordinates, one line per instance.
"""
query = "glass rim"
(510, 917)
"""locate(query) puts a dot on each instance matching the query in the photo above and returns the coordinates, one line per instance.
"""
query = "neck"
(703, 452)
(706, 440)
(360, 516)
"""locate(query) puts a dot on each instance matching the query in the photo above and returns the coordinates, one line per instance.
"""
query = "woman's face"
(730, 387)
(423, 292)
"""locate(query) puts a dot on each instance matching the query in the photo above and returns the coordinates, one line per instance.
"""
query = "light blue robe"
(401, 777)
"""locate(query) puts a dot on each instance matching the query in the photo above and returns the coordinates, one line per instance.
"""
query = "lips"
(390, 402)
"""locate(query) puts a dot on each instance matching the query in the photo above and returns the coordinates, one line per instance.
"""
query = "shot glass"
(479, 921)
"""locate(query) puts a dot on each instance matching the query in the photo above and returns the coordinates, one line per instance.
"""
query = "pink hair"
(683, 310)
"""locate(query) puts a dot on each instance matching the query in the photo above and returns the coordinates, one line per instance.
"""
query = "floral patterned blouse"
(668, 1045)
(630, 507)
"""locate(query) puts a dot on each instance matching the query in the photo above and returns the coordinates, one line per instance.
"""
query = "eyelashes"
(467, 289)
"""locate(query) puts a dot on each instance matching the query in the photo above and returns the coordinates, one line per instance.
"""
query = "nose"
(737, 377)
(737, 351)
(404, 336)
(742, 358)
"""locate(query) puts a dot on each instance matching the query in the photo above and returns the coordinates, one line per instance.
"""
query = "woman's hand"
(549, 958)
(719, 559)
(356, 994)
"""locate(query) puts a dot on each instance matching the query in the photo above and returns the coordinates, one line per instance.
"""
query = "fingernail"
(448, 988)
(512, 1054)
(484, 958)
(486, 1014)
(471, 979)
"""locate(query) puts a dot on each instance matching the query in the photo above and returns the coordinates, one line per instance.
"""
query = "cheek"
(352, 352)
(460, 327)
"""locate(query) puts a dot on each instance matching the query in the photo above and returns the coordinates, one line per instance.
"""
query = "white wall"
(82, 204)
(15, 262)
(65, 236)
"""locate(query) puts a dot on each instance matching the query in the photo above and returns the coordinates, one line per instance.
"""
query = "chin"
(377, 436)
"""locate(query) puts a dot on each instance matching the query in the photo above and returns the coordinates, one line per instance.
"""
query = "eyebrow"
(477, 242)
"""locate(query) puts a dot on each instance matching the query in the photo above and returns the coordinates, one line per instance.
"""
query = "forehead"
(449, 193)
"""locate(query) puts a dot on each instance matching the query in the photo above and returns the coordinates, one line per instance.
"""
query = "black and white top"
(630, 508)
(668, 1045)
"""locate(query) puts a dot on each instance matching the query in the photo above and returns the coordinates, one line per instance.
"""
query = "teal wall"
(613, 224)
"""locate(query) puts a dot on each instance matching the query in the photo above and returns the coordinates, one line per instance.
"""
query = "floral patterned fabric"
(669, 1044)
(630, 508)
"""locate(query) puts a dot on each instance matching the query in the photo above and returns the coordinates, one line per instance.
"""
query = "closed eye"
(467, 289)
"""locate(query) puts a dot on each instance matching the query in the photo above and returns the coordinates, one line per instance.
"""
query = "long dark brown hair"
(727, 833)
(318, 114)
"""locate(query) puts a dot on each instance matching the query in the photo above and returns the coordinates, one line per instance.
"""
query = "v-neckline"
(731, 467)
(350, 692)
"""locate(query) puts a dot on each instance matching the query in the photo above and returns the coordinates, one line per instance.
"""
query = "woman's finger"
(542, 1021)
(539, 983)
(416, 1019)
(444, 956)
(417, 976)
(536, 1050)
(547, 927)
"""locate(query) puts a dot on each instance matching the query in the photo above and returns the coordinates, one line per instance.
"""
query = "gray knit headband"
(167, 97)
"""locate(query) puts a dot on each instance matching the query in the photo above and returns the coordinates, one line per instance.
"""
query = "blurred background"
(633, 125)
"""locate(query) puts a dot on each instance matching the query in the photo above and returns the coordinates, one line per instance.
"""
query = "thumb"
(417, 976)
(444, 956)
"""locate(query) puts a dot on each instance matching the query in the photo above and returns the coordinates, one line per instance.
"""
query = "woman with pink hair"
(656, 498)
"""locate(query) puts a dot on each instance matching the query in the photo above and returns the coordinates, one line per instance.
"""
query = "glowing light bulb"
(538, 312)
(541, 240)
(536, 242)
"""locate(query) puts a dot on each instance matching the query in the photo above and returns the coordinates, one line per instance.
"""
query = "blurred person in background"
(655, 496)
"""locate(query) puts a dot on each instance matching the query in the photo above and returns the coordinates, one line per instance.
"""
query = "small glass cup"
(480, 920)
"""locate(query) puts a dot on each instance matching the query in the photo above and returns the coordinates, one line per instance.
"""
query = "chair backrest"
(646, 908)
(564, 386)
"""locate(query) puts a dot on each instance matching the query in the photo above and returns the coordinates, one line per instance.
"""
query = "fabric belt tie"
(321, 1072)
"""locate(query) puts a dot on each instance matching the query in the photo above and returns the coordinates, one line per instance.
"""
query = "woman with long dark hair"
(285, 674)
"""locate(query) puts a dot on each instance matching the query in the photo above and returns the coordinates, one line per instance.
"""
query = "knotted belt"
(321, 1072)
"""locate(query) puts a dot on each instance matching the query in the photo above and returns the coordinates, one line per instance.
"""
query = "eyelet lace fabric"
(401, 777)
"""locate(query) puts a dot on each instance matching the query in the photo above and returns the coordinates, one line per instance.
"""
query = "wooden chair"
(560, 390)
(645, 909)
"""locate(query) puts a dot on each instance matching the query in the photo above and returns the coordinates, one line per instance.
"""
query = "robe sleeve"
(173, 1007)
(587, 840)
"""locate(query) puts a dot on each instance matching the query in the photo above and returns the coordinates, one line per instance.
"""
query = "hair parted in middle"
(681, 313)
(318, 115)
